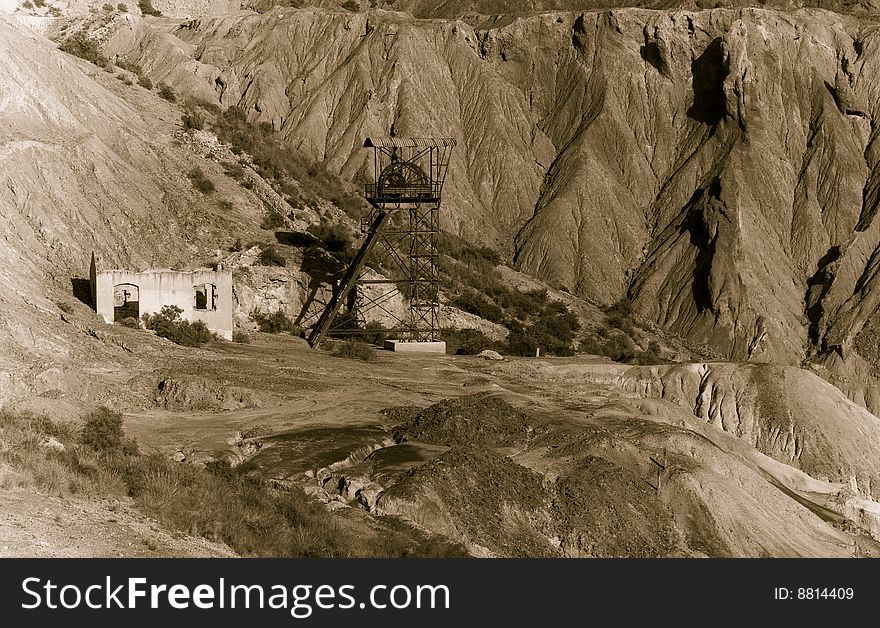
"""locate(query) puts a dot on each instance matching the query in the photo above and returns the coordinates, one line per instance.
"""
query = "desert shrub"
(54, 11)
(76, 469)
(129, 321)
(235, 170)
(351, 5)
(134, 68)
(193, 120)
(552, 330)
(102, 431)
(273, 322)
(167, 93)
(168, 324)
(65, 307)
(125, 79)
(620, 316)
(355, 350)
(354, 205)
(532, 318)
(335, 237)
(272, 221)
(236, 246)
(479, 305)
(81, 46)
(25, 431)
(520, 341)
(107, 7)
(271, 256)
(615, 338)
(40, 3)
(467, 341)
(463, 251)
(147, 8)
(122, 7)
(373, 333)
(240, 337)
(522, 304)
(617, 346)
(201, 182)
(27, 4)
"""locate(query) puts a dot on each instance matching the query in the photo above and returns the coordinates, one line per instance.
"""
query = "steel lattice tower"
(400, 240)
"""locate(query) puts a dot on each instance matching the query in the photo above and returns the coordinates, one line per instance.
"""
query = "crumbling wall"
(160, 287)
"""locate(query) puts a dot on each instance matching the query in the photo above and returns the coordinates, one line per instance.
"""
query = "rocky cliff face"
(718, 167)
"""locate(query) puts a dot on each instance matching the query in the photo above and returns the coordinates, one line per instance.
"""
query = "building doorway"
(126, 302)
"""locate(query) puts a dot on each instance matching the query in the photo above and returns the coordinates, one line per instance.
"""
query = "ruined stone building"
(202, 294)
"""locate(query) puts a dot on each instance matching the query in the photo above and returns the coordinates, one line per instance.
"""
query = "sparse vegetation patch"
(201, 182)
(615, 338)
(167, 93)
(271, 256)
(468, 341)
(354, 349)
(168, 324)
(147, 8)
(81, 46)
(273, 322)
(218, 502)
(295, 177)
(534, 320)
(102, 431)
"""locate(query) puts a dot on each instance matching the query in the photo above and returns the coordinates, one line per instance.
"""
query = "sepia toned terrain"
(694, 187)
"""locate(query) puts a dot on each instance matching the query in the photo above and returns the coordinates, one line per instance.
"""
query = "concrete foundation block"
(401, 346)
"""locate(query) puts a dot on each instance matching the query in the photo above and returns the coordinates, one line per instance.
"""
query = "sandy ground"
(311, 411)
(328, 409)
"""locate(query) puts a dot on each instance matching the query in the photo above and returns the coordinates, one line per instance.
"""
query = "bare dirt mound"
(478, 497)
(480, 420)
(199, 394)
(605, 510)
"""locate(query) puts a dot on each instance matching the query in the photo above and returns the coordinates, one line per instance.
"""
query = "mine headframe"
(400, 242)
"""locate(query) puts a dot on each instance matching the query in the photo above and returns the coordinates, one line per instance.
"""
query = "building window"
(206, 296)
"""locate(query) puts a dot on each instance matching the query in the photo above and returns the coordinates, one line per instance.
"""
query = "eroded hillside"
(89, 164)
(718, 167)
